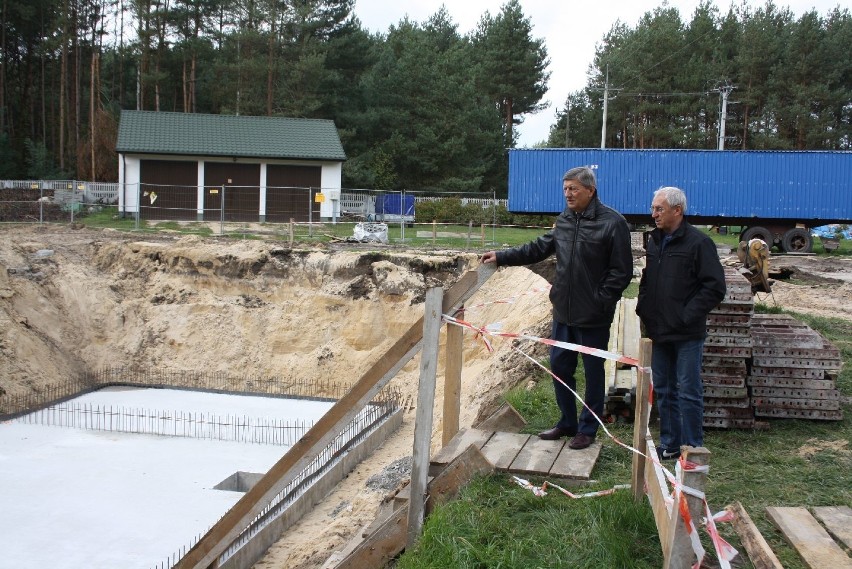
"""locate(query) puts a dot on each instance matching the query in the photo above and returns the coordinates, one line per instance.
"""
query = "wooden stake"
(425, 414)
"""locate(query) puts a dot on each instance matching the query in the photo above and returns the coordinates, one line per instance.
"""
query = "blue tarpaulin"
(833, 230)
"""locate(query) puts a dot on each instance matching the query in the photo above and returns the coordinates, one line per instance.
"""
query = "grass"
(496, 523)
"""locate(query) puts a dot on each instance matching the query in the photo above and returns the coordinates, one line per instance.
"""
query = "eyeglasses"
(658, 209)
(573, 189)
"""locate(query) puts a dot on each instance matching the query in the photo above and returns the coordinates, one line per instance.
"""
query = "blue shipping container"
(811, 187)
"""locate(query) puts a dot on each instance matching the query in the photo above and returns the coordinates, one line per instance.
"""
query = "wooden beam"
(838, 521)
(641, 416)
(658, 491)
(759, 552)
(809, 539)
(452, 382)
(677, 550)
(219, 537)
(425, 413)
(388, 541)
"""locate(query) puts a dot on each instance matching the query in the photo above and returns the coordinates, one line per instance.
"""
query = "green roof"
(151, 132)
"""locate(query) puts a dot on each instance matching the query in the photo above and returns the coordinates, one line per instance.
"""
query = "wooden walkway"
(524, 455)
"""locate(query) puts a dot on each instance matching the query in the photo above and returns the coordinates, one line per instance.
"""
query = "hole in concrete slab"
(239, 481)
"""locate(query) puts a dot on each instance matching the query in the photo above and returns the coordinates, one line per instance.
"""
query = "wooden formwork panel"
(741, 403)
(721, 334)
(783, 403)
(726, 350)
(791, 382)
(728, 423)
(774, 412)
(801, 373)
(723, 380)
(729, 371)
(817, 363)
(716, 319)
(793, 393)
(726, 392)
(728, 412)
(828, 352)
(730, 362)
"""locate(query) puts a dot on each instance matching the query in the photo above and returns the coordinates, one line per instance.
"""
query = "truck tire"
(797, 240)
(758, 232)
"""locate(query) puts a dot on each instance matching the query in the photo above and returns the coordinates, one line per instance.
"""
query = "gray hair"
(582, 174)
(674, 196)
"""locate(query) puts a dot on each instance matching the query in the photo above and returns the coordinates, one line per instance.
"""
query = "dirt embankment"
(72, 300)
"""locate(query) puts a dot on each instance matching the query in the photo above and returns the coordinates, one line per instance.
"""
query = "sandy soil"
(73, 299)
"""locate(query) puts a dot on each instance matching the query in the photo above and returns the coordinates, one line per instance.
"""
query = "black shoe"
(554, 434)
(664, 454)
(581, 441)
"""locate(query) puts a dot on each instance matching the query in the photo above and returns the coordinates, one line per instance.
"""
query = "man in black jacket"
(594, 265)
(682, 282)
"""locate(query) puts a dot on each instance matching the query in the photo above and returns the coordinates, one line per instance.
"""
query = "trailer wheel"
(797, 240)
(758, 232)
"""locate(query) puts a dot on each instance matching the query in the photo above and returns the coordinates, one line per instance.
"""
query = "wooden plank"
(382, 546)
(576, 464)
(299, 456)
(389, 539)
(838, 521)
(502, 448)
(506, 418)
(677, 550)
(457, 445)
(614, 336)
(446, 485)
(759, 552)
(537, 456)
(642, 415)
(452, 382)
(632, 330)
(658, 491)
(425, 415)
(810, 540)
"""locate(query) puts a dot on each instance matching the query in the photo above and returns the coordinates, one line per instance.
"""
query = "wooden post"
(424, 418)
(482, 233)
(469, 230)
(434, 231)
(291, 232)
(452, 381)
(641, 417)
(677, 550)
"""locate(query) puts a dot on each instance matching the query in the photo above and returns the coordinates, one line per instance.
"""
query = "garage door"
(242, 191)
(168, 189)
(291, 192)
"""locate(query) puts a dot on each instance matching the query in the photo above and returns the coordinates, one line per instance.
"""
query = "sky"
(570, 30)
(104, 499)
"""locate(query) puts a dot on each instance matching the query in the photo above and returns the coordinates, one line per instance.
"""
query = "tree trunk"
(3, 69)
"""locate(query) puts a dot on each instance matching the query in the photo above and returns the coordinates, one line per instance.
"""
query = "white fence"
(90, 192)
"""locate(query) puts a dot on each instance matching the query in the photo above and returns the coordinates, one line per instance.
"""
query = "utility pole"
(605, 101)
(567, 124)
(723, 115)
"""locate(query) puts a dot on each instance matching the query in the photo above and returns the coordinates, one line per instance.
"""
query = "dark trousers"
(563, 363)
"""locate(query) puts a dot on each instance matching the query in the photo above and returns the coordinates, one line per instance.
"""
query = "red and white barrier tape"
(724, 551)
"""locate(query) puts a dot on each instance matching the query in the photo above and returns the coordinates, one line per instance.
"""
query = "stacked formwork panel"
(794, 370)
(727, 350)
